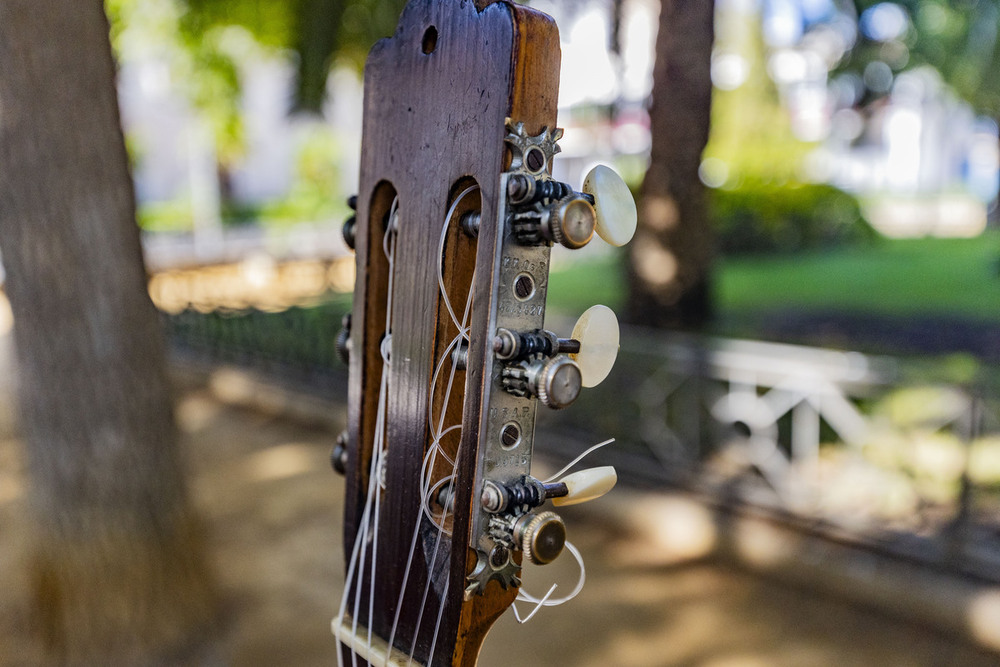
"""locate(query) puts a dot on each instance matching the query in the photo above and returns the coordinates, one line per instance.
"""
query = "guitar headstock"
(455, 218)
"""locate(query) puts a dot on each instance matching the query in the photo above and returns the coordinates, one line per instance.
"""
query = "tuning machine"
(540, 535)
(553, 369)
(548, 211)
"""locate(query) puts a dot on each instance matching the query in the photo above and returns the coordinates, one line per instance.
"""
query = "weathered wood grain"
(436, 97)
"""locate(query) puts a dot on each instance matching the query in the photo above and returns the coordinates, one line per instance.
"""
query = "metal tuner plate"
(521, 273)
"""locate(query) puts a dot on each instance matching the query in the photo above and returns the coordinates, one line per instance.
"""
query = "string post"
(460, 355)
(519, 496)
(470, 223)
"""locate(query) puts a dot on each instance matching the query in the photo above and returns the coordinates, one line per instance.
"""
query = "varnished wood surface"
(431, 121)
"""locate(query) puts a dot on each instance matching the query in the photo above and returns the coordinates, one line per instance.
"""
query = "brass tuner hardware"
(540, 536)
(522, 495)
(530, 153)
(460, 356)
(546, 211)
(527, 492)
(470, 223)
(571, 222)
(524, 190)
(555, 381)
(512, 345)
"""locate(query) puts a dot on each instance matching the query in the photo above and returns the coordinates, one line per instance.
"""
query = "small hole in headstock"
(430, 40)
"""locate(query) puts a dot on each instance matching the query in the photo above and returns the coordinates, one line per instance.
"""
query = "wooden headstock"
(456, 214)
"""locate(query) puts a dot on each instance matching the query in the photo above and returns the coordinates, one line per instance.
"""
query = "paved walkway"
(273, 508)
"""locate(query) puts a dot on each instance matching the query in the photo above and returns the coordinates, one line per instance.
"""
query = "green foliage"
(958, 39)
(213, 86)
(314, 193)
(202, 59)
(905, 277)
(271, 22)
(751, 137)
(754, 158)
(317, 32)
(765, 217)
(575, 286)
(168, 216)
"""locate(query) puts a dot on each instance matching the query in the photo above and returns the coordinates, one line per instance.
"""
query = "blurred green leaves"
(315, 33)
(199, 34)
(770, 217)
(959, 39)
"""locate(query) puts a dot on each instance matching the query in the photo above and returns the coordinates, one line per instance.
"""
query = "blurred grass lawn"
(894, 277)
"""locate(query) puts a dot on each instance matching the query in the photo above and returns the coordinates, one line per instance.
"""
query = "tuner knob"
(613, 203)
(598, 335)
(541, 536)
(555, 381)
(572, 222)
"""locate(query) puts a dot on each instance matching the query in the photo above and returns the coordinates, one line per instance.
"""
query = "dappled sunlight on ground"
(194, 412)
(984, 618)
(653, 596)
(664, 531)
(279, 462)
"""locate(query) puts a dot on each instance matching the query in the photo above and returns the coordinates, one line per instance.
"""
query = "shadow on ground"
(273, 508)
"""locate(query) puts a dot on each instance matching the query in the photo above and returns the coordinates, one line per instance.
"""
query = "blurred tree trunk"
(117, 565)
(671, 255)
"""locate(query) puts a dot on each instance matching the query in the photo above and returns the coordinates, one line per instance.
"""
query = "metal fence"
(904, 454)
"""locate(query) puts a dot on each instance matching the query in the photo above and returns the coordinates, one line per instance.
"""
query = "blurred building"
(173, 147)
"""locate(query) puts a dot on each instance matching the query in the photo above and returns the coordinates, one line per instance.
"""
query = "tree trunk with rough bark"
(117, 565)
(671, 254)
